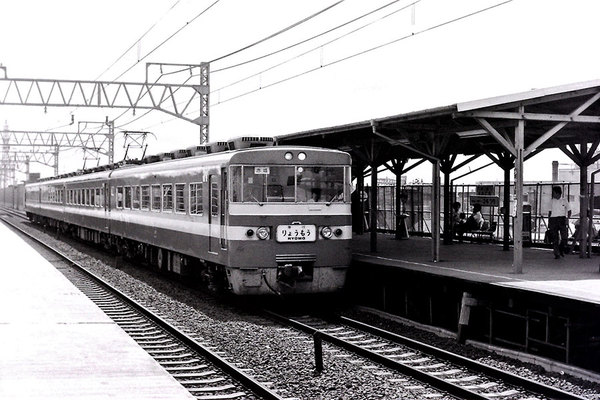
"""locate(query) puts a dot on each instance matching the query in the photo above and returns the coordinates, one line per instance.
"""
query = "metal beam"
(172, 99)
(532, 116)
(492, 131)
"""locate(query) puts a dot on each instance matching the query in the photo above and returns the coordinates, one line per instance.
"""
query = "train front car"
(289, 222)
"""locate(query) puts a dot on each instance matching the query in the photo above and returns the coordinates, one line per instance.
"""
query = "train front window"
(277, 184)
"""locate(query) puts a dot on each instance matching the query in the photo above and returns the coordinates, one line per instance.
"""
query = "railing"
(417, 206)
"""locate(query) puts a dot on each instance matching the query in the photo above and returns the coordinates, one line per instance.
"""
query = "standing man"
(560, 211)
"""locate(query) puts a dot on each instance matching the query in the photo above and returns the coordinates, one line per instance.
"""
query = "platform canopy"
(554, 117)
(508, 129)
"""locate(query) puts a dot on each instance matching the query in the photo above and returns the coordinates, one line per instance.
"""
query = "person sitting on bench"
(475, 220)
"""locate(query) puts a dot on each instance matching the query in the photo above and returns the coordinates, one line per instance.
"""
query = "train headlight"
(288, 155)
(250, 232)
(262, 233)
(326, 232)
(302, 156)
(338, 232)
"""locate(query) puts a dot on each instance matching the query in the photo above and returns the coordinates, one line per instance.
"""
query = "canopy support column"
(360, 188)
(435, 211)
(518, 225)
(373, 210)
(583, 201)
(506, 207)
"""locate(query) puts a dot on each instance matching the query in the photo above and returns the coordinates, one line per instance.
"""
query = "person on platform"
(475, 220)
(457, 224)
(578, 233)
(560, 211)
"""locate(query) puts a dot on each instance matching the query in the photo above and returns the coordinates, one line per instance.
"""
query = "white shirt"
(559, 207)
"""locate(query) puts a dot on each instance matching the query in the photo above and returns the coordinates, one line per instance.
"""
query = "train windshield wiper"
(256, 200)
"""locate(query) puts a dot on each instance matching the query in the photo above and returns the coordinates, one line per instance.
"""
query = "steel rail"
(438, 383)
(230, 369)
(506, 377)
(421, 376)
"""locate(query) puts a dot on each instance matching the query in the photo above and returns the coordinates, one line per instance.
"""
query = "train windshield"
(289, 184)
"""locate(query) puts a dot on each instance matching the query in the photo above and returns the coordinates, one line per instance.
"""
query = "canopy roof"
(555, 117)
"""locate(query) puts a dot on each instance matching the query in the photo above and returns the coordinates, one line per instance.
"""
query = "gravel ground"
(283, 356)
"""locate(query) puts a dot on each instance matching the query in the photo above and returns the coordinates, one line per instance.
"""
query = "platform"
(570, 277)
(56, 344)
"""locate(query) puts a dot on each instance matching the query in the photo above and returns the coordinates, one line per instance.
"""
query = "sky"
(409, 56)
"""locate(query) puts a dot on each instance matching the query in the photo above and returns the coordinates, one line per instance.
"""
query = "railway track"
(13, 213)
(204, 372)
(443, 371)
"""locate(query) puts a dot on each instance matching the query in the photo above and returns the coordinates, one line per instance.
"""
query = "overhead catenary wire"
(248, 47)
(139, 39)
(414, 34)
(323, 44)
(448, 22)
(308, 39)
(293, 45)
(169, 38)
(134, 43)
(271, 36)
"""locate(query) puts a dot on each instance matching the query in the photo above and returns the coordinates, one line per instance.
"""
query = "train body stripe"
(196, 225)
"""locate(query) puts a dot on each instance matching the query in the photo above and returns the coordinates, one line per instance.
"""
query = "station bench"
(483, 234)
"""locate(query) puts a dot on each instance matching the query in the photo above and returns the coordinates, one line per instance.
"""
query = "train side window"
(120, 197)
(214, 196)
(156, 197)
(97, 204)
(93, 197)
(127, 196)
(135, 198)
(167, 194)
(236, 183)
(79, 196)
(145, 197)
(196, 206)
(179, 198)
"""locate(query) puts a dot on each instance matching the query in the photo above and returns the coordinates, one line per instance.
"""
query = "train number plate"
(296, 233)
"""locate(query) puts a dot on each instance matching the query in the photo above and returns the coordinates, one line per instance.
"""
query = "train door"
(105, 202)
(223, 208)
(214, 214)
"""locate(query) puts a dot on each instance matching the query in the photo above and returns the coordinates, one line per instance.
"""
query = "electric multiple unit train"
(254, 220)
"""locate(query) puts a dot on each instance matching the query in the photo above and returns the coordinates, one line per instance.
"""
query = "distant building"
(391, 181)
(570, 172)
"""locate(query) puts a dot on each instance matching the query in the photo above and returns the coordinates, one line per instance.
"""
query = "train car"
(255, 220)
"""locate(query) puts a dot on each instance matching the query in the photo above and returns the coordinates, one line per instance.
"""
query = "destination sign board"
(485, 201)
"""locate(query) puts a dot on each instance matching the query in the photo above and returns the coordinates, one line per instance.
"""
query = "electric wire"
(295, 24)
(308, 39)
(139, 39)
(317, 47)
(367, 51)
(296, 44)
(442, 24)
(134, 43)
(169, 38)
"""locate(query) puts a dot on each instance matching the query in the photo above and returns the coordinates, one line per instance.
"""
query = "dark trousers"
(559, 233)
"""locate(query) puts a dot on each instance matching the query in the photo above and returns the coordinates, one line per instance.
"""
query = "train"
(246, 216)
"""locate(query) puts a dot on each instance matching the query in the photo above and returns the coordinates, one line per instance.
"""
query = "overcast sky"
(403, 58)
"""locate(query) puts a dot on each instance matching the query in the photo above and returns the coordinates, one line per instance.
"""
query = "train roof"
(246, 155)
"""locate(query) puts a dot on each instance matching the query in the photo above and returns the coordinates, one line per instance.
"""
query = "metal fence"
(536, 198)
